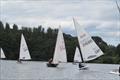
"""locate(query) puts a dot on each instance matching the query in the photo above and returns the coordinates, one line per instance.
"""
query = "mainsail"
(60, 50)
(77, 57)
(2, 55)
(88, 47)
(24, 52)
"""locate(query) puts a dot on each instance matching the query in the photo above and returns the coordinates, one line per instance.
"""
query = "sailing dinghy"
(60, 51)
(89, 49)
(2, 55)
(24, 52)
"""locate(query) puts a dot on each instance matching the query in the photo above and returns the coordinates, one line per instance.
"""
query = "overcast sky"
(98, 17)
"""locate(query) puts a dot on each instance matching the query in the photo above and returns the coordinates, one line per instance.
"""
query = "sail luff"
(119, 14)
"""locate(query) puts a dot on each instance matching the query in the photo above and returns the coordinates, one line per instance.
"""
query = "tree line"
(41, 44)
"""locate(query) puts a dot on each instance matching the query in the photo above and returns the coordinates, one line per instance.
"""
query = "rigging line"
(119, 14)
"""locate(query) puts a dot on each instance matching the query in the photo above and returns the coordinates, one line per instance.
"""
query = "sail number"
(92, 56)
(86, 42)
(96, 50)
(24, 48)
(82, 36)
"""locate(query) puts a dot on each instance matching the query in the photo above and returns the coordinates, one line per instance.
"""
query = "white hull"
(114, 72)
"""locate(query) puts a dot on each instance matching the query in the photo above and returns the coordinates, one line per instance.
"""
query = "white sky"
(99, 17)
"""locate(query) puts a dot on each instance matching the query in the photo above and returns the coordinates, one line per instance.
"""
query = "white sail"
(24, 52)
(88, 47)
(60, 51)
(77, 57)
(2, 55)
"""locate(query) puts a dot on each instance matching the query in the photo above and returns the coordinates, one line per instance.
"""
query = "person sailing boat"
(60, 51)
(50, 61)
(81, 65)
(89, 49)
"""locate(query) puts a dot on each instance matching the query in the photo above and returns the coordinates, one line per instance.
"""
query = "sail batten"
(24, 52)
(89, 48)
(60, 50)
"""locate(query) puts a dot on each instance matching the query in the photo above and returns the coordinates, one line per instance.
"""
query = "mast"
(119, 13)
(81, 55)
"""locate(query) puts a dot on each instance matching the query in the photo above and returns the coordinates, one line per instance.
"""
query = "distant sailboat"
(89, 49)
(60, 51)
(24, 52)
(2, 55)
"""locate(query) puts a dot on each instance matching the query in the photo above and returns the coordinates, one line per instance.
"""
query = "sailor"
(80, 65)
(50, 61)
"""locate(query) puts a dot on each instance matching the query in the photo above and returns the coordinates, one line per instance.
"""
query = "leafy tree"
(118, 50)
(41, 44)
(1, 26)
(7, 27)
(15, 27)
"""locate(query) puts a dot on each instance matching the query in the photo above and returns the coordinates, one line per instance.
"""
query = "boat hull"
(84, 68)
(51, 65)
(114, 72)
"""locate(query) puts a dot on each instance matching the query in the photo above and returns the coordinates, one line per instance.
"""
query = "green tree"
(15, 27)
(1, 26)
(118, 50)
(7, 27)
(41, 44)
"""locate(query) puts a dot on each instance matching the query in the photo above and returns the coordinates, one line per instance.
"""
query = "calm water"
(11, 70)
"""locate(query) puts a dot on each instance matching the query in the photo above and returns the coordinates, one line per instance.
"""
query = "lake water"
(31, 70)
